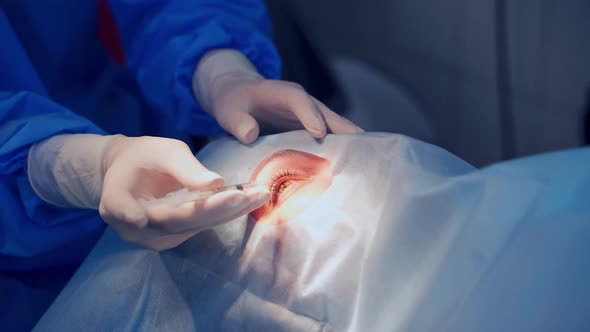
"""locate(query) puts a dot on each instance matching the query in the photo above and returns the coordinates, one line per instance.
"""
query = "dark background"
(486, 79)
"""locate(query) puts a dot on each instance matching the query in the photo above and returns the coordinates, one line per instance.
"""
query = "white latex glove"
(228, 87)
(110, 173)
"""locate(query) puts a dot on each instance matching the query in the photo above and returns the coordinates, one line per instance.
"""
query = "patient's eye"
(282, 181)
(294, 179)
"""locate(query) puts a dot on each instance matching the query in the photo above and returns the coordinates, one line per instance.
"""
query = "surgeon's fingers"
(240, 124)
(149, 238)
(213, 211)
(293, 98)
(162, 242)
(336, 124)
(162, 239)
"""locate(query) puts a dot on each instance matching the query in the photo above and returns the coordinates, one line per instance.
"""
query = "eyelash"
(276, 180)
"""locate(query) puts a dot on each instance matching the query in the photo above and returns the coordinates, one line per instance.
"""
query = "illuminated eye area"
(295, 179)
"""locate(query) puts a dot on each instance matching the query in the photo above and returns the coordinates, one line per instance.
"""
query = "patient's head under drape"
(406, 237)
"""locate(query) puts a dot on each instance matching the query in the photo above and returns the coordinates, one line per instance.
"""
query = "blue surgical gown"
(56, 78)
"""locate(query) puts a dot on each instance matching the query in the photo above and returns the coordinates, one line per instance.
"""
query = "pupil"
(284, 186)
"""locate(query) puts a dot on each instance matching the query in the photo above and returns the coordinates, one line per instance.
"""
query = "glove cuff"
(67, 170)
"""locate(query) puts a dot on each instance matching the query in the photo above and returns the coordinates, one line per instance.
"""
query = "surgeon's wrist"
(110, 151)
(217, 71)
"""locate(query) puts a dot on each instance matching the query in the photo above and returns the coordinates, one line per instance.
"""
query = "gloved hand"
(229, 88)
(110, 173)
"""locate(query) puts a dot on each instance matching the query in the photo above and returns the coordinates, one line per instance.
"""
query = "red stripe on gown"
(108, 33)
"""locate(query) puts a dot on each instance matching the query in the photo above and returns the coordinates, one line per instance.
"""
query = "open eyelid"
(281, 177)
(283, 159)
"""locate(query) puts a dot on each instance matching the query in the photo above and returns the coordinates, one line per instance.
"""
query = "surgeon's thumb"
(191, 174)
(240, 124)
